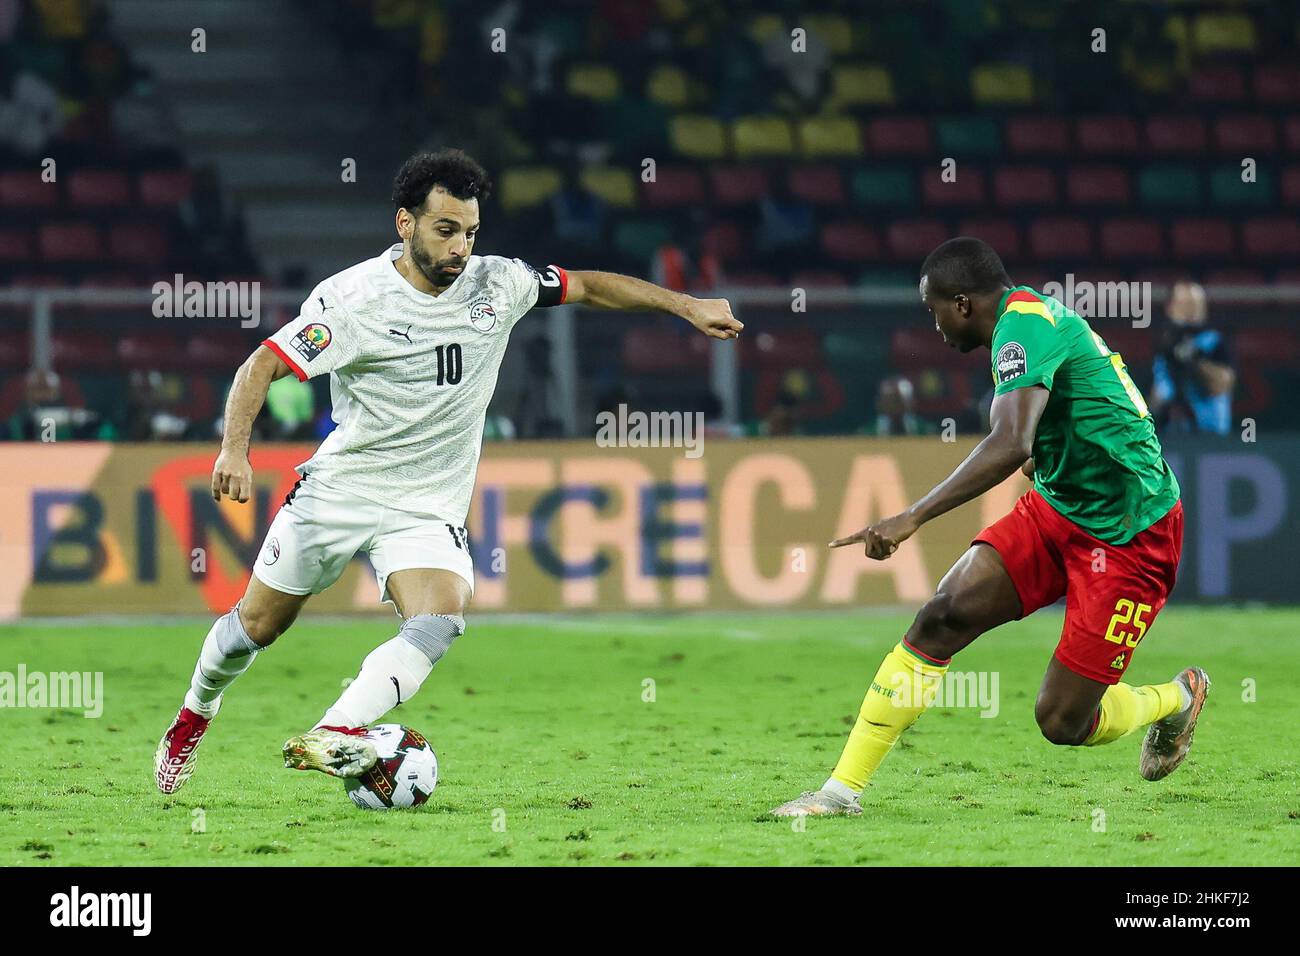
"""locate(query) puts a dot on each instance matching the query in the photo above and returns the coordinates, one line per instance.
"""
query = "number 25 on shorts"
(1128, 615)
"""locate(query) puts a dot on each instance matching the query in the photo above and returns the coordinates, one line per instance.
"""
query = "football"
(405, 774)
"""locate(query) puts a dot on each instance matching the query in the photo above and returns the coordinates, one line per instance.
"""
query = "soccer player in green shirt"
(1102, 526)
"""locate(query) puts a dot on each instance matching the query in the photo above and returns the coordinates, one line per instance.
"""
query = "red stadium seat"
(1271, 237)
(673, 186)
(734, 185)
(783, 348)
(1217, 83)
(1236, 276)
(165, 187)
(752, 279)
(1176, 133)
(850, 242)
(1098, 186)
(899, 136)
(656, 349)
(1131, 237)
(16, 245)
(913, 239)
(70, 242)
(1291, 185)
(1024, 186)
(1001, 234)
(1277, 83)
(913, 346)
(83, 350)
(142, 244)
(725, 240)
(99, 188)
(821, 185)
(1060, 237)
(216, 353)
(1037, 134)
(1137, 346)
(1198, 237)
(818, 279)
(24, 190)
(967, 189)
(156, 350)
(1245, 134)
(15, 348)
(1115, 135)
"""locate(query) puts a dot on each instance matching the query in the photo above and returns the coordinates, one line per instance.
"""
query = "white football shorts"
(319, 530)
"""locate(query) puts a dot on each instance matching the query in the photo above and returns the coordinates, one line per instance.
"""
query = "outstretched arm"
(1013, 421)
(232, 475)
(609, 290)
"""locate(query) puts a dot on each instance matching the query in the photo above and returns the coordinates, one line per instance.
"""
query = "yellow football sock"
(903, 688)
(1125, 708)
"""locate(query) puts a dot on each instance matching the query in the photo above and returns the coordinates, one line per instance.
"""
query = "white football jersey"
(411, 375)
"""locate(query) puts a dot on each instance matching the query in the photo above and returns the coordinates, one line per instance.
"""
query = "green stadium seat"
(1227, 188)
(968, 135)
(1002, 84)
(893, 187)
(640, 237)
(1168, 185)
(830, 136)
(701, 137)
(525, 186)
(762, 136)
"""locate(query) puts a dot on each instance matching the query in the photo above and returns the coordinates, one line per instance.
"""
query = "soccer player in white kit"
(412, 341)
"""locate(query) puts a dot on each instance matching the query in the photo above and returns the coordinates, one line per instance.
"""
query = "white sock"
(840, 789)
(1187, 697)
(227, 652)
(390, 674)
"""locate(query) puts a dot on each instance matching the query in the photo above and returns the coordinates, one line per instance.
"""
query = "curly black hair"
(452, 169)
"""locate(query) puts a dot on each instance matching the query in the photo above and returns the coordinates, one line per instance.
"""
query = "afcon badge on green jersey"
(1010, 362)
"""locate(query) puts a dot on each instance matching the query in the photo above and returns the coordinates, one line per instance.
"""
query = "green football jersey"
(1096, 456)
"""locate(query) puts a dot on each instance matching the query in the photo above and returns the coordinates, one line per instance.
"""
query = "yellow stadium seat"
(668, 85)
(701, 137)
(611, 184)
(1002, 84)
(830, 136)
(762, 136)
(528, 185)
(764, 26)
(862, 84)
(592, 82)
(835, 31)
(1223, 33)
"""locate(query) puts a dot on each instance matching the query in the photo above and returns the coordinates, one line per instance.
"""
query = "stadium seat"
(1271, 237)
(913, 239)
(1098, 186)
(821, 185)
(591, 81)
(639, 237)
(157, 350)
(15, 348)
(80, 349)
(1217, 83)
(1277, 84)
(1169, 186)
(70, 242)
(673, 186)
(669, 86)
(1228, 189)
(1002, 234)
(966, 189)
(1245, 135)
(215, 353)
(1107, 135)
(165, 187)
(879, 187)
(818, 279)
(752, 279)
(737, 185)
(142, 244)
(1291, 133)
(655, 349)
(850, 242)
(916, 346)
(1130, 237)
(1202, 237)
(762, 136)
(861, 84)
(1176, 134)
(1024, 186)
(1037, 134)
(1291, 185)
(967, 136)
(832, 29)
(782, 348)
(726, 240)
(524, 186)
(98, 188)
(899, 136)
(20, 189)
(1223, 33)
(764, 26)
(1002, 84)
(1064, 238)
(699, 137)
(16, 245)
(830, 136)
(1236, 276)
(612, 184)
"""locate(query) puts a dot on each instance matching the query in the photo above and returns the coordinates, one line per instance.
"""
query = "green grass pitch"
(550, 755)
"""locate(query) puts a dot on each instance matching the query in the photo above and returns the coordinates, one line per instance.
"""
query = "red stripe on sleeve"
(564, 283)
(302, 376)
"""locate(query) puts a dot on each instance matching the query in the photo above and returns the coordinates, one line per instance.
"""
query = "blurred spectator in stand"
(578, 218)
(1192, 377)
(896, 407)
(48, 414)
(684, 264)
(292, 406)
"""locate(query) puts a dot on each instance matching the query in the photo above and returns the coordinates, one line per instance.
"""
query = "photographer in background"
(1192, 378)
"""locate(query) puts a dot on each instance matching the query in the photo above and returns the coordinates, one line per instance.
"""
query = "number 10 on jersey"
(449, 364)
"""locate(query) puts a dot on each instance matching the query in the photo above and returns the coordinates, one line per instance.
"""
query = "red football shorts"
(1112, 592)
